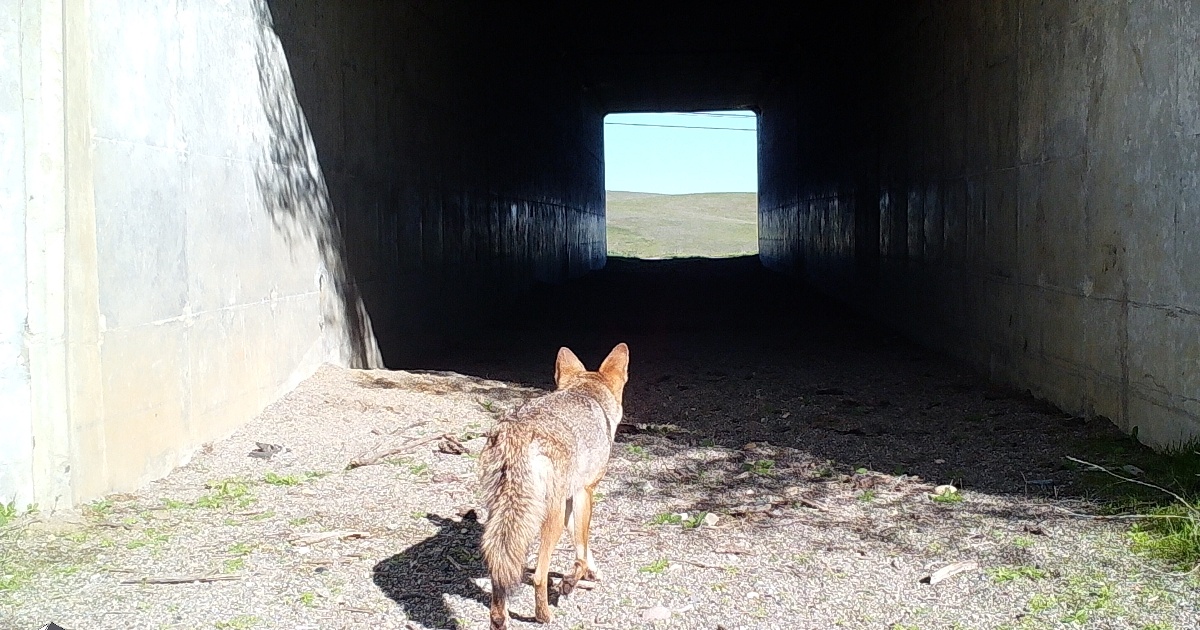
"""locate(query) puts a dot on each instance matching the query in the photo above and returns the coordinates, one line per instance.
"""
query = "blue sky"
(670, 159)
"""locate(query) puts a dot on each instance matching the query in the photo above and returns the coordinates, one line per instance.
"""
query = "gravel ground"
(815, 439)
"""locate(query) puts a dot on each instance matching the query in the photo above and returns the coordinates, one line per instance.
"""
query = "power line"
(713, 114)
(679, 126)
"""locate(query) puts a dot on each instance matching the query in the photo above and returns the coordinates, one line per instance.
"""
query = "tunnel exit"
(681, 184)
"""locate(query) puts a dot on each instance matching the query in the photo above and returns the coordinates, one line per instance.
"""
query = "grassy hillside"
(647, 225)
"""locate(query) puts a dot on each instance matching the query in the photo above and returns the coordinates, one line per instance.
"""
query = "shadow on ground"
(728, 353)
(423, 575)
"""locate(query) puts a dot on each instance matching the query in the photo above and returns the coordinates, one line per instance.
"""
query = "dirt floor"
(815, 440)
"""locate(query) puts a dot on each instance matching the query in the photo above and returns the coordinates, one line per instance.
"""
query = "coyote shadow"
(446, 563)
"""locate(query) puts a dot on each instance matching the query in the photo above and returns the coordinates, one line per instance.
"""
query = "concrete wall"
(463, 161)
(16, 449)
(1036, 193)
(243, 190)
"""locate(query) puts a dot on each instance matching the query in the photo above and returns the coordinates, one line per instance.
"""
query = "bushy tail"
(516, 503)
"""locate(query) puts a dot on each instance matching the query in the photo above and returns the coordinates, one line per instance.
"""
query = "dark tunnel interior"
(478, 170)
(919, 163)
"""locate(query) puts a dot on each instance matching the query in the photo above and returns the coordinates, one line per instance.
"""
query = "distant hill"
(648, 225)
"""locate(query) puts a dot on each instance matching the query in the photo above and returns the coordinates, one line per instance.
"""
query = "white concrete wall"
(16, 430)
(208, 308)
(150, 301)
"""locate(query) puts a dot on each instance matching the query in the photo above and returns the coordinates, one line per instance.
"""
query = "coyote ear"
(616, 364)
(567, 366)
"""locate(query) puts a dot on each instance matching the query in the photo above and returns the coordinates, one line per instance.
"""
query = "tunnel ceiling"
(673, 56)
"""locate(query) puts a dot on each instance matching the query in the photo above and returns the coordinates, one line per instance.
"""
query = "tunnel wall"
(481, 175)
(16, 452)
(1037, 200)
(242, 191)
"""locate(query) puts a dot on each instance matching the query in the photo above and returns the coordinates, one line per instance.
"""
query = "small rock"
(939, 461)
(647, 486)
(656, 613)
(711, 519)
(1133, 470)
(944, 489)
(751, 595)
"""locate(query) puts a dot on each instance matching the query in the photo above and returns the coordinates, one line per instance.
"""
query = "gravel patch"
(815, 440)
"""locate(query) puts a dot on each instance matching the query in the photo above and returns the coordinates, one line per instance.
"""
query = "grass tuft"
(1169, 527)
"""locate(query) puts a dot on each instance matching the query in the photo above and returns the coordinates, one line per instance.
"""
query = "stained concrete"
(206, 200)
(1030, 168)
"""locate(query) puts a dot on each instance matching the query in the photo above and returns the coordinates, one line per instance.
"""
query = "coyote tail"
(515, 495)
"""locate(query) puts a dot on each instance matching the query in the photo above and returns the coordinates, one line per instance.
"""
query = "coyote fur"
(540, 467)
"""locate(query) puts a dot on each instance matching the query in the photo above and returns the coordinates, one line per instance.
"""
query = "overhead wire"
(678, 126)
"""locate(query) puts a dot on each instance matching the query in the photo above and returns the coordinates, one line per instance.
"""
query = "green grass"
(646, 225)
(13, 576)
(656, 567)
(948, 498)
(226, 492)
(639, 452)
(418, 469)
(1166, 492)
(1011, 574)
(1170, 534)
(282, 480)
(762, 467)
(666, 518)
(8, 511)
(241, 622)
(100, 507)
(150, 538)
(240, 549)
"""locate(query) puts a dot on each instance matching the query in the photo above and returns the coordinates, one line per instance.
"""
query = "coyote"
(540, 467)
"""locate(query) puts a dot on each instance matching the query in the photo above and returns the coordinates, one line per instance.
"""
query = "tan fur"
(540, 467)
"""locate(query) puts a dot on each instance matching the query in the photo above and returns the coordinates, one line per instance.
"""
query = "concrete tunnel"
(203, 202)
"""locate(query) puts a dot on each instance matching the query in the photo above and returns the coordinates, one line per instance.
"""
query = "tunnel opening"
(681, 184)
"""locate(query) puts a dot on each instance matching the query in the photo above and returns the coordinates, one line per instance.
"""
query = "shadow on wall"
(295, 195)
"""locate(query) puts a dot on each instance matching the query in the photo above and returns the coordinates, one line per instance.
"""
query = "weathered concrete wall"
(16, 449)
(1038, 205)
(243, 190)
(463, 162)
